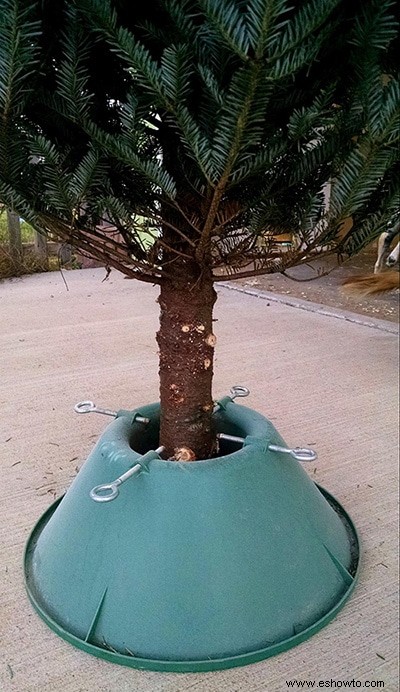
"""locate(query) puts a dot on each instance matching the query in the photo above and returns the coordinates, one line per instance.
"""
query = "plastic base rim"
(194, 666)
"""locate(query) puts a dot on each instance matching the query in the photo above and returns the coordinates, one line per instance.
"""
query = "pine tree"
(199, 129)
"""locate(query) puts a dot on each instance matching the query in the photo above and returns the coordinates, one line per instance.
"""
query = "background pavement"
(324, 380)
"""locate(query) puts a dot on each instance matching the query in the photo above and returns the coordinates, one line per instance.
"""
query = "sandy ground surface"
(325, 380)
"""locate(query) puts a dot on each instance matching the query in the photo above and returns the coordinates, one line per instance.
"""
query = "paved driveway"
(325, 381)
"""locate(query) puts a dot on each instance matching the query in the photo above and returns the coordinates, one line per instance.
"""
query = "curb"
(318, 308)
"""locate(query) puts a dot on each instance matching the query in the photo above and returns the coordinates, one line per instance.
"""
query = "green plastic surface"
(194, 566)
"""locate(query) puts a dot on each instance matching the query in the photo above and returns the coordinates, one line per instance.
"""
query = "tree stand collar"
(194, 566)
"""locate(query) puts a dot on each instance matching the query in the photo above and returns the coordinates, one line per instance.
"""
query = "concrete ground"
(327, 379)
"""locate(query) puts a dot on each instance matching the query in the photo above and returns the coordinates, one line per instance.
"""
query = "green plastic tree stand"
(193, 566)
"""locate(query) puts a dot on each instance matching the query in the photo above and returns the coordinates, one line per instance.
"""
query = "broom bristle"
(368, 284)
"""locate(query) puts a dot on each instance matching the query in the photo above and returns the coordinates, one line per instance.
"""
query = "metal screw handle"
(230, 438)
(90, 407)
(299, 453)
(238, 391)
(109, 491)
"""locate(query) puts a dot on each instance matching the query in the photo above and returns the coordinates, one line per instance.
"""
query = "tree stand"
(191, 566)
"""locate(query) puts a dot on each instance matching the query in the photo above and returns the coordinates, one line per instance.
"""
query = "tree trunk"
(14, 237)
(186, 342)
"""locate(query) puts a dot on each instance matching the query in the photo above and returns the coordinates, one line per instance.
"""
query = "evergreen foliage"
(212, 125)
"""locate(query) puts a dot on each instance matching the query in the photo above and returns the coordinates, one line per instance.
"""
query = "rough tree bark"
(186, 350)
(14, 236)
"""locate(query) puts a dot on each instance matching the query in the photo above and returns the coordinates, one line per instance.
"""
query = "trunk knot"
(211, 340)
(183, 454)
(176, 396)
